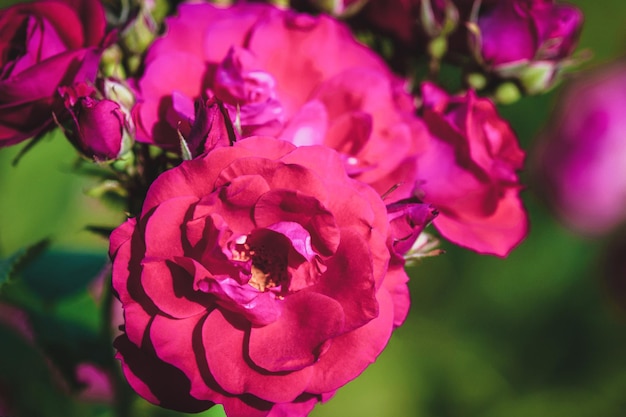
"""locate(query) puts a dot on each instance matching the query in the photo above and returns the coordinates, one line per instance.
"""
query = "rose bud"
(340, 8)
(581, 156)
(44, 45)
(407, 220)
(530, 40)
(468, 171)
(210, 129)
(100, 126)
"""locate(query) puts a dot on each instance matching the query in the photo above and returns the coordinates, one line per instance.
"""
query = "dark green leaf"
(58, 274)
(12, 265)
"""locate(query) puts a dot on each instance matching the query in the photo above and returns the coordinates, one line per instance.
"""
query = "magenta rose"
(99, 126)
(468, 172)
(304, 79)
(44, 45)
(255, 277)
(582, 155)
(527, 39)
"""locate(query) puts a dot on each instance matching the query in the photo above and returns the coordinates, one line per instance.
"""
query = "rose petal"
(170, 287)
(278, 206)
(178, 343)
(354, 351)
(156, 381)
(301, 407)
(497, 234)
(298, 337)
(162, 228)
(308, 126)
(224, 342)
(260, 308)
(349, 280)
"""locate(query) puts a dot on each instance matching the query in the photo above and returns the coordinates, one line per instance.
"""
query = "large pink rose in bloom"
(580, 162)
(468, 172)
(304, 79)
(255, 277)
(44, 45)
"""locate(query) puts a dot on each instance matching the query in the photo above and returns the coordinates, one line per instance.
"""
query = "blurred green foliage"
(536, 334)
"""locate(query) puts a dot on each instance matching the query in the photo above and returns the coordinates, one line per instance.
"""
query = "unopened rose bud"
(212, 128)
(340, 8)
(99, 128)
(111, 62)
(407, 219)
(530, 40)
(507, 93)
(439, 18)
(140, 33)
(119, 92)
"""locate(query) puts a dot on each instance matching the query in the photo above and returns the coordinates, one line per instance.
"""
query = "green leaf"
(59, 274)
(30, 145)
(26, 376)
(12, 265)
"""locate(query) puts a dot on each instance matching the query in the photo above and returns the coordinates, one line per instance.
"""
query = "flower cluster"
(278, 173)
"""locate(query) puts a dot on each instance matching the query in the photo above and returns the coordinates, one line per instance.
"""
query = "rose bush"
(255, 277)
(267, 66)
(44, 45)
(468, 172)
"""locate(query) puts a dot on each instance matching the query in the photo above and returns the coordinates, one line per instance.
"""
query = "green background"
(540, 333)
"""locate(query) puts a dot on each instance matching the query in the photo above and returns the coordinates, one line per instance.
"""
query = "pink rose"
(582, 156)
(44, 45)
(255, 277)
(304, 79)
(530, 40)
(512, 31)
(468, 172)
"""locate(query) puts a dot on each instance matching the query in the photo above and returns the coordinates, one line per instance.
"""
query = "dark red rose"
(255, 277)
(44, 45)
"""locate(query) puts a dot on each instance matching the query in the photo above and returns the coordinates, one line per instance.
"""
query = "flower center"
(266, 252)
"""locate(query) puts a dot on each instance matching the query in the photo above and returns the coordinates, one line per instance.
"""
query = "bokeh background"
(540, 333)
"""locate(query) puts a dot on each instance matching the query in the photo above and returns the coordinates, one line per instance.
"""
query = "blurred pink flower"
(469, 172)
(44, 45)
(98, 384)
(582, 155)
(255, 277)
(301, 78)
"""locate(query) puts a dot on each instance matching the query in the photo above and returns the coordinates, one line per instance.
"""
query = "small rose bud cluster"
(513, 47)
